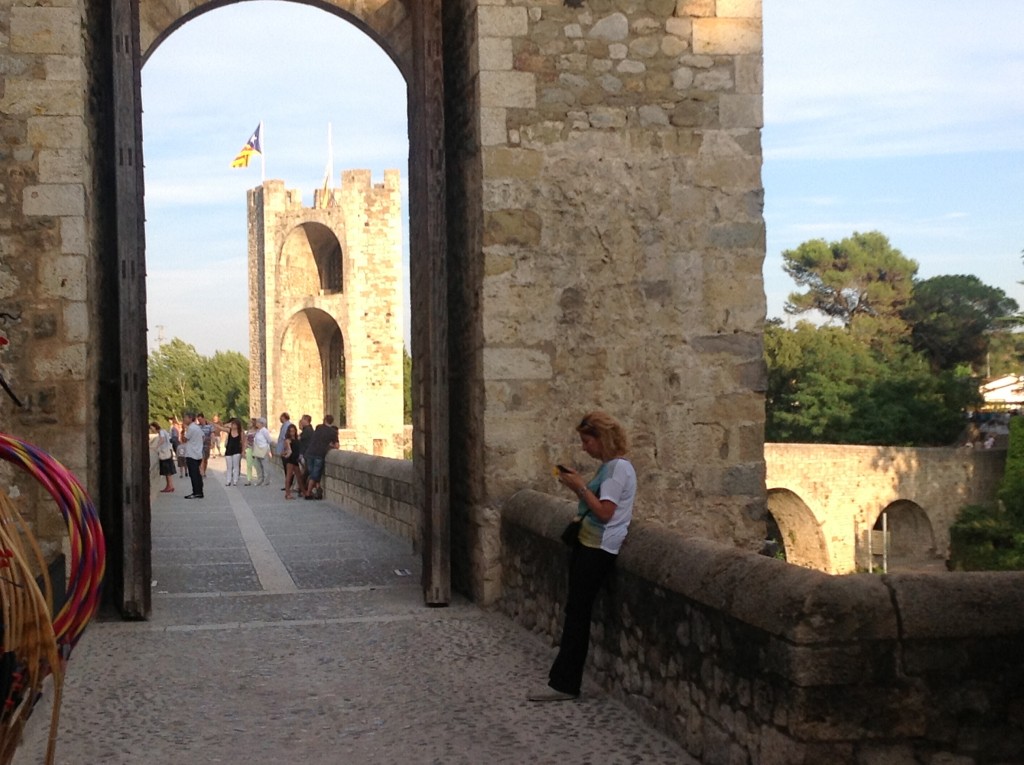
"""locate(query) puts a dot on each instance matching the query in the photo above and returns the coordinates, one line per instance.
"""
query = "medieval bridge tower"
(325, 333)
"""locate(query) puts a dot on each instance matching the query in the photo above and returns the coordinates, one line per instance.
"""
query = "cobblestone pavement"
(289, 632)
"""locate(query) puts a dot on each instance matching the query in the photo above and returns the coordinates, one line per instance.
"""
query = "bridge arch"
(802, 540)
(911, 533)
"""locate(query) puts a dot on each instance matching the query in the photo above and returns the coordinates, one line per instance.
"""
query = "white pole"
(885, 543)
(263, 154)
(330, 156)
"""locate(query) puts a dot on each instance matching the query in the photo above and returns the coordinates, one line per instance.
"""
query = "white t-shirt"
(194, 442)
(618, 485)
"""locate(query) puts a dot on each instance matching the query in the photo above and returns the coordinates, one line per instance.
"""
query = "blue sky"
(903, 116)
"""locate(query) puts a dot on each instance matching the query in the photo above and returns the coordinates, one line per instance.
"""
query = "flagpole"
(330, 155)
(263, 154)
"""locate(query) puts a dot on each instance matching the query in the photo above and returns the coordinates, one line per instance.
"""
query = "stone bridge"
(827, 499)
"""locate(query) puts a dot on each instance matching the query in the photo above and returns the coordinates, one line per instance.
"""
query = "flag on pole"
(253, 146)
(326, 198)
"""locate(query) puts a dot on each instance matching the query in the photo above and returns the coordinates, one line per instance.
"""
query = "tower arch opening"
(311, 261)
(312, 357)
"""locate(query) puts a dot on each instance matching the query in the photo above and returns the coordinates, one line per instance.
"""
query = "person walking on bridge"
(604, 512)
(193, 440)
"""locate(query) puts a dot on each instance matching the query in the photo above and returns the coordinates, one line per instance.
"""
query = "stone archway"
(312, 350)
(802, 539)
(311, 262)
(411, 35)
(911, 535)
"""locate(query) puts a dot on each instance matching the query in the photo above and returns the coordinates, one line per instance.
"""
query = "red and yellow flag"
(253, 146)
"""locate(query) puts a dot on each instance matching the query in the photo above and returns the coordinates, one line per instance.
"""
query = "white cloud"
(875, 78)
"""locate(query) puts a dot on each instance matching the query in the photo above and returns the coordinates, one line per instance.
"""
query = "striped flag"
(253, 146)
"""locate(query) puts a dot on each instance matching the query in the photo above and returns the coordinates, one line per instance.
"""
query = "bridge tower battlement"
(325, 307)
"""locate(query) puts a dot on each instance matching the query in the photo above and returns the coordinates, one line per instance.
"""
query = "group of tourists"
(185, 448)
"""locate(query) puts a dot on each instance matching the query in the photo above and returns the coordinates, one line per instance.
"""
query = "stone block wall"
(607, 249)
(381, 490)
(747, 659)
(49, 265)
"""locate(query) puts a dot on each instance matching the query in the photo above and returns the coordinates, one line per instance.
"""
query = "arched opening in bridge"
(911, 538)
(312, 363)
(801, 537)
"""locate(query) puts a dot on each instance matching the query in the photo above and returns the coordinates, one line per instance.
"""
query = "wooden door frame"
(128, 487)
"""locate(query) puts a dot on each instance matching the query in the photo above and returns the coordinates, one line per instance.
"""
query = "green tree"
(224, 384)
(1005, 354)
(174, 373)
(951, 318)
(827, 385)
(860, 277)
(813, 377)
(407, 385)
(180, 380)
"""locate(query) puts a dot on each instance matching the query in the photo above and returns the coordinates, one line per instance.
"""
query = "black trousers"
(194, 475)
(588, 569)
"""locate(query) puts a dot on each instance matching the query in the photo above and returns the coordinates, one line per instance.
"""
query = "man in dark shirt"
(324, 438)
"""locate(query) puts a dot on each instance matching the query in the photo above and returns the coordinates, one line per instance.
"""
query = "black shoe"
(193, 496)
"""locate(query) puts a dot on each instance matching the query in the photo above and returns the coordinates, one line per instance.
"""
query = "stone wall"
(606, 242)
(382, 490)
(51, 210)
(744, 658)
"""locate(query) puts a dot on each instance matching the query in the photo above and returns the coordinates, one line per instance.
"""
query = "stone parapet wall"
(745, 658)
(380, 489)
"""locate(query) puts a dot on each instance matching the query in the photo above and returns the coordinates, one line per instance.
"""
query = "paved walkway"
(294, 632)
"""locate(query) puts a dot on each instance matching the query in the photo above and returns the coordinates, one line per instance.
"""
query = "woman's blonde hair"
(607, 430)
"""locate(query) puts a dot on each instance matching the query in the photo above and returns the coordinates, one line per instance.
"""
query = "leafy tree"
(1005, 354)
(991, 537)
(813, 376)
(407, 383)
(224, 384)
(174, 374)
(1011, 490)
(862, 276)
(951, 318)
(827, 385)
(181, 380)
